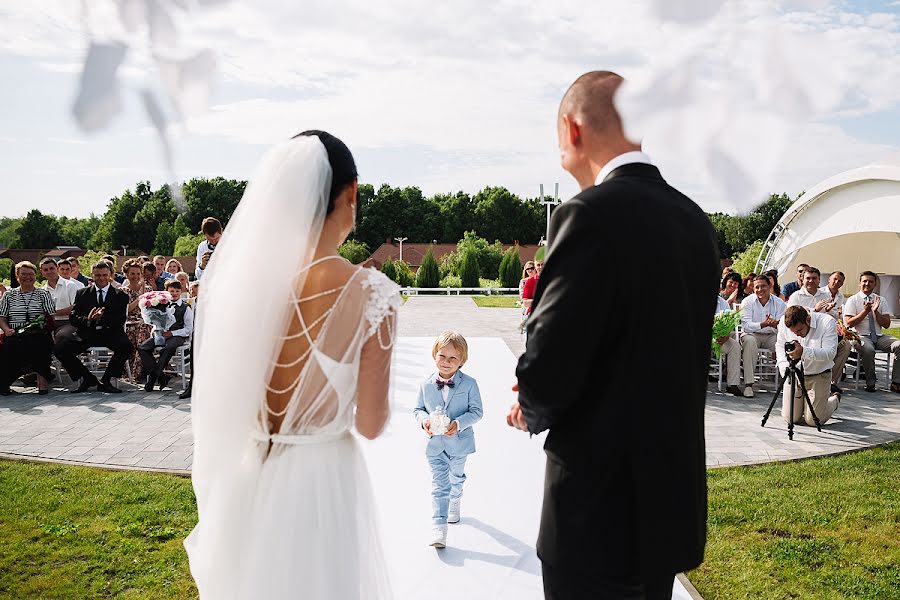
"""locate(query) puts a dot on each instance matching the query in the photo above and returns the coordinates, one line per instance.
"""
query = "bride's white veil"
(245, 309)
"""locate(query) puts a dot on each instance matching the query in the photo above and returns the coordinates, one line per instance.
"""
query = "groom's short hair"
(452, 338)
(591, 99)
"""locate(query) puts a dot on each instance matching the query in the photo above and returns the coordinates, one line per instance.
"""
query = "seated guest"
(759, 321)
(530, 286)
(160, 263)
(772, 274)
(175, 336)
(730, 288)
(173, 267)
(815, 344)
(118, 278)
(25, 348)
(862, 311)
(835, 283)
(185, 280)
(527, 271)
(731, 350)
(746, 287)
(63, 293)
(65, 272)
(99, 315)
(818, 300)
(793, 286)
(135, 328)
(157, 283)
(76, 272)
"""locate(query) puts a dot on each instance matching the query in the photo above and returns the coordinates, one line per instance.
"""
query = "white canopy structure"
(851, 223)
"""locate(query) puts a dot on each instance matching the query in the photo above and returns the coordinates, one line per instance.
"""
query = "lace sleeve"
(384, 300)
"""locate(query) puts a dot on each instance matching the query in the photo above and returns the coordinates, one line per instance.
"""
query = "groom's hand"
(515, 418)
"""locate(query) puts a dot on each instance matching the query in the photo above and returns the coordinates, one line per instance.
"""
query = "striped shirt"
(20, 308)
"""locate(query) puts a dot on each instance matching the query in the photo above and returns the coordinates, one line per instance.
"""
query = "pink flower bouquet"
(157, 310)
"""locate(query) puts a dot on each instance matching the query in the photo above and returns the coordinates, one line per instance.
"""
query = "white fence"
(459, 291)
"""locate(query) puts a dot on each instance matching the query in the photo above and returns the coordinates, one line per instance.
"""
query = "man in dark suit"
(625, 485)
(99, 315)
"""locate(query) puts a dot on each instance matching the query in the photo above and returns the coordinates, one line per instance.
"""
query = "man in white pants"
(759, 320)
(731, 350)
(821, 301)
(814, 336)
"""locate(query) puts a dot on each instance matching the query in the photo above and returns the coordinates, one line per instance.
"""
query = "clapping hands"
(95, 314)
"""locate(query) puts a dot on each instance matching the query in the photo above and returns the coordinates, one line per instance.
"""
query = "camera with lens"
(789, 346)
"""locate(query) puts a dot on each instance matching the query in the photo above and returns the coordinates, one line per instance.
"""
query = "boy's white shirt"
(445, 393)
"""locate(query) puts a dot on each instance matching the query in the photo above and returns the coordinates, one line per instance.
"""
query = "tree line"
(149, 220)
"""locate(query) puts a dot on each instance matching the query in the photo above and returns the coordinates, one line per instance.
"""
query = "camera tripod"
(794, 373)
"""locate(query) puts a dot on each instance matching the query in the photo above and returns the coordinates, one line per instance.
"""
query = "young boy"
(175, 336)
(457, 396)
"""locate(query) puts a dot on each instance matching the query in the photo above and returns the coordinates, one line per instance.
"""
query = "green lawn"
(818, 529)
(496, 301)
(894, 332)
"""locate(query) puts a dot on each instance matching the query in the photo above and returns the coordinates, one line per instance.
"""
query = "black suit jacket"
(616, 368)
(113, 319)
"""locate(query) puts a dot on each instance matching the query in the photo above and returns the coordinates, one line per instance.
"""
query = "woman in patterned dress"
(135, 328)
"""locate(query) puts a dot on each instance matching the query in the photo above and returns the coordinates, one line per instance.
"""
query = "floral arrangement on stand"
(157, 310)
(724, 324)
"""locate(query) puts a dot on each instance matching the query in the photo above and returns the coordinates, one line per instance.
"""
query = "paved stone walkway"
(152, 430)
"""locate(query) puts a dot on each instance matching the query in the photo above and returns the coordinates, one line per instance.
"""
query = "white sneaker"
(453, 513)
(748, 391)
(439, 536)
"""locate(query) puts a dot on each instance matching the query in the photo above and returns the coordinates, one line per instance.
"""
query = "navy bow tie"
(441, 383)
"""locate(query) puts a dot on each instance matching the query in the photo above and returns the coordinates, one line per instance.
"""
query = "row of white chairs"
(97, 358)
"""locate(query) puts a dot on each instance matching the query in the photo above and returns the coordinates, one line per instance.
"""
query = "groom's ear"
(571, 130)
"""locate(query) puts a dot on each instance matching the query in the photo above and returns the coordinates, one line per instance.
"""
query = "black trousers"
(69, 346)
(24, 353)
(572, 584)
(156, 367)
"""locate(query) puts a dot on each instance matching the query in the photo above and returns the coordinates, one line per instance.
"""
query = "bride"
(284, 371)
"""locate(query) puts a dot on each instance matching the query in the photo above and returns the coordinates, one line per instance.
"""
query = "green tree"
(745, 262)
(78, 232)
(38, 230)
(404, 275)
(429, 273)
(469, 271)
(168, 235)
(118, 228)
(501, 215)
(6, 268)
(9, 231)
(450, 264)
(389, 269)
(186, 245)
(354, 251)
(510, 268)
(488, 255)
(217, 197)
(456, 216)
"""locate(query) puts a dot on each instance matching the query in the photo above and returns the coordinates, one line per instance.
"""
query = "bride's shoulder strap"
(384, 298)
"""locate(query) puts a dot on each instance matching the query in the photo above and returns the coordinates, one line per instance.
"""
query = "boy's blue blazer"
(463, 405)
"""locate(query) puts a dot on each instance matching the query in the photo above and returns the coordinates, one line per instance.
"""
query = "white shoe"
(836, 398)
(439, 536)
(453, 513)
(748, 392)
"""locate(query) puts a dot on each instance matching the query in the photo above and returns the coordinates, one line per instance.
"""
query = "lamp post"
(548, 203)
(401, 240)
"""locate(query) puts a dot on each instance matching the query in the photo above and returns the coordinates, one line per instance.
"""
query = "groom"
(625, 484)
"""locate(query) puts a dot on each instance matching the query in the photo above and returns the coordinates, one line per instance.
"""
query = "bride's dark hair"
(343, 167)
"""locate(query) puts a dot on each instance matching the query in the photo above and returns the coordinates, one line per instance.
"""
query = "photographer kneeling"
(814, 337)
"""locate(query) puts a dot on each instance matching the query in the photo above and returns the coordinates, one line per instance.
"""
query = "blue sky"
(449, 97)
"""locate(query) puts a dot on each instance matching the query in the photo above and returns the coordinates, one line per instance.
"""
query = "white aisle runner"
(490, 552)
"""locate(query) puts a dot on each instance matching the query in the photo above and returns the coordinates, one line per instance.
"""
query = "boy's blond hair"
(452, 338)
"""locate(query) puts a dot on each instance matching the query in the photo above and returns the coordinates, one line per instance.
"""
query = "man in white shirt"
(820, 301)
(862, 311)
(835, 283)
(814, 336)
(731, 350)
(212, 231)
(64, 267)
(759, 320)
(63, 293)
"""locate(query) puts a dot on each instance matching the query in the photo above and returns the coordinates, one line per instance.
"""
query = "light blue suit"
(447, 455)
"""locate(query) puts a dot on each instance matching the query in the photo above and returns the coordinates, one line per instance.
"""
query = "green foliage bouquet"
(724, 324)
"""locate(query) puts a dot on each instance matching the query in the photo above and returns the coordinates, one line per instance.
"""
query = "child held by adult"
(449, 404)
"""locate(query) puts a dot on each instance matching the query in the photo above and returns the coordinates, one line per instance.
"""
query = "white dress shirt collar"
(635, 156)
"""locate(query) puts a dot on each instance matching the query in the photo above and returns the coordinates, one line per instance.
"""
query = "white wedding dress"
(287, 514)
